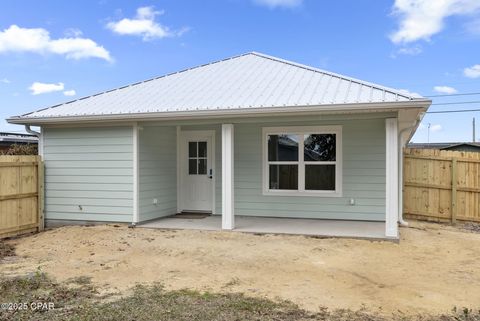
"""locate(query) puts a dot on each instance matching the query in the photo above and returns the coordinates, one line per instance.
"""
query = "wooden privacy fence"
(21, 195)
(441, 185)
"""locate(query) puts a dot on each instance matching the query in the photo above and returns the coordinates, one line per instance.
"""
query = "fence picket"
(442, 186)
(21, 195)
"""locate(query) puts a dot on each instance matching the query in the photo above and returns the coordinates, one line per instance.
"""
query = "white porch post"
(391, 215)
(179, 155)
(228, 215)
(135, 174)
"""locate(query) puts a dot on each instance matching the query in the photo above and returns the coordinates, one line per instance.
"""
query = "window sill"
(302, 193)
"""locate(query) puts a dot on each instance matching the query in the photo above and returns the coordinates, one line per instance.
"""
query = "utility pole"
(428, 133)
(473, 128)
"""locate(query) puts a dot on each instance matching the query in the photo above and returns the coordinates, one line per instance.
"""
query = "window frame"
(301, 131)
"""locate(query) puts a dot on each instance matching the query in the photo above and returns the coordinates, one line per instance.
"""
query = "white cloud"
(472, 72)
(473, 27)
(407, 51)
(144, 25)
(435, 128)
(409, 93)
(410, 51)
(421, 19)
(445, 90)
(73, 33)
(37, 40)
(70, 92)
(279, 3)
(38, 88)
(5, 81)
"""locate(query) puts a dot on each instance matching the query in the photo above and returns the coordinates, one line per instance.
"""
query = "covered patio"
(229, 179)
(276, 225)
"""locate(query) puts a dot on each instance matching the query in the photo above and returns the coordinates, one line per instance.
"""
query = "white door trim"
(180, 139)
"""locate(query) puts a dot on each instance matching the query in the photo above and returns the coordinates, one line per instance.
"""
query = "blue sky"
(61, 50)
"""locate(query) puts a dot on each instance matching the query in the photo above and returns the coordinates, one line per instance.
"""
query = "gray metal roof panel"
(251, 80)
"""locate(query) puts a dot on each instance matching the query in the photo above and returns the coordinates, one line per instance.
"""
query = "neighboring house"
(459, 147)
(251, 135)
(9, 139)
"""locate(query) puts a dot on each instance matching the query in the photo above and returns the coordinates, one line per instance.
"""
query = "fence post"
(454, 191)
(41, 194)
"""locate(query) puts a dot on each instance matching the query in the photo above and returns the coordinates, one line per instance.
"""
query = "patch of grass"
(155, 303)
(38, 288)
(6, 250)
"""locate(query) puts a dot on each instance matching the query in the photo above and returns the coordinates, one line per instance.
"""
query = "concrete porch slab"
(273, 225)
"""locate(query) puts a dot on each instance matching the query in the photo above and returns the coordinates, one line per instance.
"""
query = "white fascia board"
(226, 113)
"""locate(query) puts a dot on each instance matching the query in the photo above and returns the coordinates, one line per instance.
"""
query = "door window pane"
(192, 149)
(202, 166)
(319, 147)
(320, 177)
(283, 177)
(202, 149)
(192, 166)
(197, 158)
(283, 147)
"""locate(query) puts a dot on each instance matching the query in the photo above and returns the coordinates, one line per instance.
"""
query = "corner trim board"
(391, 197)
(179, 132)
(135, 174)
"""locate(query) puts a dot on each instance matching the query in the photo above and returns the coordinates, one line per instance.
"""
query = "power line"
(429, 84)
(452, 111)
(457, 103)
(453, 95)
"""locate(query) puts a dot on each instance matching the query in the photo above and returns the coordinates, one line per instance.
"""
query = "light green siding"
(89, 174)
(363, 175)
(363, 170)
(93, 168)
(157, 172)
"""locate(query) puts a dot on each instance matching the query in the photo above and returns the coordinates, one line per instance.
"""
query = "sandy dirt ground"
(432, 269)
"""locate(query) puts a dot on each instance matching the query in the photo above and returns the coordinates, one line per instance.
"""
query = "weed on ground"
(37, 297)
(472, 227)
(6, 249)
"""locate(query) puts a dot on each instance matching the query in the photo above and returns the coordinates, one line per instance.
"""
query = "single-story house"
(458, 147)
(9, 139)
(247, 136)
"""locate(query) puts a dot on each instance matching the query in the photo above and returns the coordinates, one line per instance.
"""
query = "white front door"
(197, 170)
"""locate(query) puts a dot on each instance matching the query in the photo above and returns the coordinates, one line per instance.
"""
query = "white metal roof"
(17, 138)
(248, 81)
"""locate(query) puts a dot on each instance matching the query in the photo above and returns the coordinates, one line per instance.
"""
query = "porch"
(224, 169)
(276, 225)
